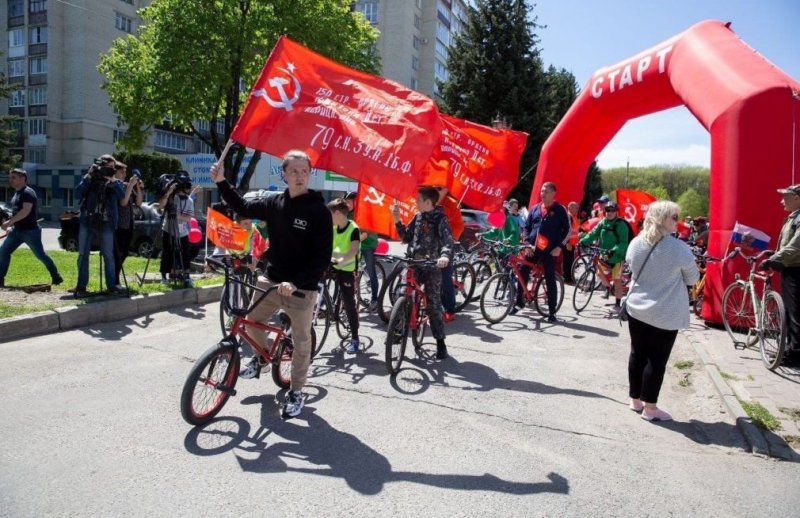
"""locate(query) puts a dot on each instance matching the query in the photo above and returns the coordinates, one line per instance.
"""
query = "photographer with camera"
(178, 209)
(25, 229)
(124, 232)
(99, 193)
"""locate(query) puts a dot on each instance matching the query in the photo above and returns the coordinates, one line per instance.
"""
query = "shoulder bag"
(623, 308)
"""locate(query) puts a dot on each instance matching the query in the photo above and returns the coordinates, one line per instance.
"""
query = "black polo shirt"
(25, 195)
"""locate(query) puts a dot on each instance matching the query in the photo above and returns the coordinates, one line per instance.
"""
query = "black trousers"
(346, 281)
(174, 254)
(650, 350)
(569, 258)
(790, 291)
(431, 277)
(122, 248)
(548, 262)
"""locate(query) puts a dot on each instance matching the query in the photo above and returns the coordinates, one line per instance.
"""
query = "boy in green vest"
(346, 239)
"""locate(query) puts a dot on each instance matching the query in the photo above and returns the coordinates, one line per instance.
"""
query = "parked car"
(146, 239)
(475, 221)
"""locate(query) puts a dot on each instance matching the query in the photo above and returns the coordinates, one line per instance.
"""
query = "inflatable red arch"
(749, 106)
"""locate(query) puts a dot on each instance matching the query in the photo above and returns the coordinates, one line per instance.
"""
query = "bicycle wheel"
(342, 323)
(282, 362)
(389, 292)
(321, 319)
(738, 315)
(580, 264)
(498, 297)
(773, 333)
(697, 307)
(540, 296)
(210, 383)
(584, 289)
(364, 293)
(422, 324)
(464, 284)
(397, 335)
(483, 270)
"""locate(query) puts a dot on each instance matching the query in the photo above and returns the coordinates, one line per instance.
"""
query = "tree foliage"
(675, 180)
(495, 70)
(692, 204)
(194, 61)
(8, 131)
(593, 188)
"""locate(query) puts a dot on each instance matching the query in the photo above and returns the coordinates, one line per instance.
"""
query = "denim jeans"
(106, 249)
(32, 238)
(369, 267)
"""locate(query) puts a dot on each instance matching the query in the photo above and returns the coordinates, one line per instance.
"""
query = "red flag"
(479, 165)
(225, 233)
(373, 211)
(364, 127)
(633, 206)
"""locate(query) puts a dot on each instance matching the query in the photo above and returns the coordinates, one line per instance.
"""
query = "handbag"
(623, 308)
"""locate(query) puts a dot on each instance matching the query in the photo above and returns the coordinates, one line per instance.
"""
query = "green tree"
(593, 188)
(8, 129)
(494, 69)
(692, 203)
(194, 61)
(659, 192)
(673, 179)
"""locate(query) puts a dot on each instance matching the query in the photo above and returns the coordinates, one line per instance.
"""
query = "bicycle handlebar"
(749, 258)
(414, 262)
(224, 263)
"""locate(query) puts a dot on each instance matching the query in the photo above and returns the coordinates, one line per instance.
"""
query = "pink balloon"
(193, 223)
(497, 219)
(195, 236)
(383, 247)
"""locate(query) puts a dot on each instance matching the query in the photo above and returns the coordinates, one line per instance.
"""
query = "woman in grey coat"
(657, 304)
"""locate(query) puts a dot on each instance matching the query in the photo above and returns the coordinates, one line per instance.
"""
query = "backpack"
(627, 224)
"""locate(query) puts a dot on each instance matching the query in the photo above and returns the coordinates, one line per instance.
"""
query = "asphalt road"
(525, 419)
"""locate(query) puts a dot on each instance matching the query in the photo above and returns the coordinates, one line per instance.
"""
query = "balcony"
(16, 21)
(37, 79)
(17, 111)
(16, 80)
(37, 49)
(37, 110)
(37, 140)
(39, 18)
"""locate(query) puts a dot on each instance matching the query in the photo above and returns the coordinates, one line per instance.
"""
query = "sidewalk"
(744, 373)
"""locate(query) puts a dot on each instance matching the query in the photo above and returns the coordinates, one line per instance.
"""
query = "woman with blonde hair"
(657, 304)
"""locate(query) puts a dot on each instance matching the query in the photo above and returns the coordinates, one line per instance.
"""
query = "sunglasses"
(675, 217)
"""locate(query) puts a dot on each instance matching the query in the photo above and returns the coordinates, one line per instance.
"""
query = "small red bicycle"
(213, 377)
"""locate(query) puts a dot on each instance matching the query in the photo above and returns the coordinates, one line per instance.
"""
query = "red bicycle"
(213, 377)
(409, 315)
(500, 292)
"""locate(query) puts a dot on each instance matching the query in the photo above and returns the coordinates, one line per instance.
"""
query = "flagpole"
(462, 197)
(225, 151)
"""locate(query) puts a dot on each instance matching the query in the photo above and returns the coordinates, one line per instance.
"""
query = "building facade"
(415, 37)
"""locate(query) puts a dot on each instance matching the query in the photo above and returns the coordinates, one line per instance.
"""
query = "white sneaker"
(253, 369)
(294, 403)
(352, 346)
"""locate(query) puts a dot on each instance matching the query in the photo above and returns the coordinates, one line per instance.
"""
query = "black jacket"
(300, 234)
(553, 224)
(428, 235)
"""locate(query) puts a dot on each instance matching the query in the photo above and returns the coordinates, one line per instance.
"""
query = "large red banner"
(479, 165)
(633, 206)
(374, 211)
(364, 127)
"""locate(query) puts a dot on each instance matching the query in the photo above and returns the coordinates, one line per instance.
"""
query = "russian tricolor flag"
(749, 236)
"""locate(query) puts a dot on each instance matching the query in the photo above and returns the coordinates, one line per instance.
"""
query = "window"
(202, 147)
(16, 68)
(37, 127)
(443, 11)
(38, 6)
(202, 126)
(68, 195)
(441, 50)
(38, 66)
(370, 10)
(36, 155)
(16, 8)
(17, 99)
(170, 141)
(414, 63)
(442, 33)
(47, 197)
(417, 22)
(416, 42)
(220, 126)
(16, 43)
(123, 23)
(119, 134)
(419, 4)
(37, 96)
(38, 34)
(440, 71)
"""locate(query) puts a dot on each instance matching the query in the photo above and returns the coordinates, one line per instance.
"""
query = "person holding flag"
(301, 246)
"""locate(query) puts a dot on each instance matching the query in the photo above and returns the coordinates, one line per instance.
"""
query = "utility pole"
(627, 168)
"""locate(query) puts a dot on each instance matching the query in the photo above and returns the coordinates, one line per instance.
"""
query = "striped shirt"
(660, 297)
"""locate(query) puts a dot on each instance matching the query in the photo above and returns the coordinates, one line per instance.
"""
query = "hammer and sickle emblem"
(630, 212)
(374, 197)
(278, 83)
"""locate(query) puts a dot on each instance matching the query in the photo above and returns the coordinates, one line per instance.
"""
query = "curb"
(73, 317)
(771, 445)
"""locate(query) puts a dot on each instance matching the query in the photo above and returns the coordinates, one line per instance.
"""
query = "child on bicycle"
(346, 244)
(428, 236)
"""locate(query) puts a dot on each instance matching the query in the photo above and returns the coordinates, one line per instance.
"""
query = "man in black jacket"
(301, 242)
(547, 229)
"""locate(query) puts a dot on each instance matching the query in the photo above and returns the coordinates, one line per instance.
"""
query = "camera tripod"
(172, 246)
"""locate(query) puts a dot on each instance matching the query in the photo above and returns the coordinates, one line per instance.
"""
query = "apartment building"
(415, 38)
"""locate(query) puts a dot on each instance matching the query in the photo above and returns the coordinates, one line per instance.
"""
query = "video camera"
(102, 168)
(181, 180)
